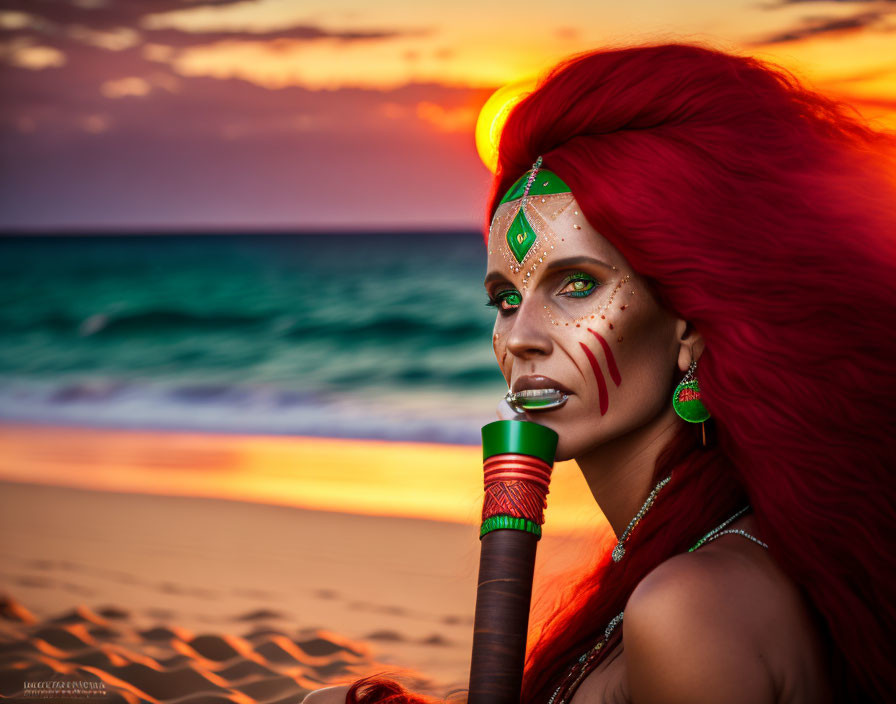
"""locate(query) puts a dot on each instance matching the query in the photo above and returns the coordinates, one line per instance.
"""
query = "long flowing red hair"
(764, 214)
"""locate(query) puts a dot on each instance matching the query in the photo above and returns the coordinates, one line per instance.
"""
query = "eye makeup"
(599, 312)
(506, 300)
(582, 285)
(563, 284)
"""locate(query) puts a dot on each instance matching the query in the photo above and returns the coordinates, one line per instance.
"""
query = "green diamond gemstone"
(520, 236)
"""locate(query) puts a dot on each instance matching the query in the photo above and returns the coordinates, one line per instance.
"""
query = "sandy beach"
(165, 597)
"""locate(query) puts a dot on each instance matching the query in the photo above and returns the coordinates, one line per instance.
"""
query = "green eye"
(505, 300)
(513, 298)
(578, 285)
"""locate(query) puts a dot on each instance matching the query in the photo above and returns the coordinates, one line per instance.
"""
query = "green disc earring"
(687, 400)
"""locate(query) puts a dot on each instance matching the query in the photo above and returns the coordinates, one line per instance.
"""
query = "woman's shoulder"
(723, 623)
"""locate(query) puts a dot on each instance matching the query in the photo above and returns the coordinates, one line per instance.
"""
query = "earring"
(688, 404)
(687, 400)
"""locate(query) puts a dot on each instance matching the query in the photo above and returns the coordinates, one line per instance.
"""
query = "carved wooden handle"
(517, 460)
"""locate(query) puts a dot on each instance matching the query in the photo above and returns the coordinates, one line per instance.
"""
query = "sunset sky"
(287, 114)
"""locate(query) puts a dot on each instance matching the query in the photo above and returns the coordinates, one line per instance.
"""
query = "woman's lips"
(537, 381)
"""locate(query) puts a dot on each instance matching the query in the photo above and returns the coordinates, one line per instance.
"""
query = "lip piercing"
(535, 399)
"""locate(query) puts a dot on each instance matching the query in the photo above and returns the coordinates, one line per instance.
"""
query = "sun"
(494, 114)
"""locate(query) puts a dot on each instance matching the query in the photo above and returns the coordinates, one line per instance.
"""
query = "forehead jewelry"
(521, 235)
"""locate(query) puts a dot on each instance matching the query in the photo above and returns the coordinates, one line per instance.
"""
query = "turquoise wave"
(245, 332)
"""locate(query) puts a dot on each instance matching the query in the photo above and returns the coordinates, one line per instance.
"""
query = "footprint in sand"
(27, 580)
(260, 614)
(385, 635)
(436, 639)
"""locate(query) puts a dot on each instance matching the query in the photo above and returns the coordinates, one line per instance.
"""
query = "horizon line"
(232, 231)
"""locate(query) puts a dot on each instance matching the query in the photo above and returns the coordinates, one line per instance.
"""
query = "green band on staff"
(519, 437)
(511, 522)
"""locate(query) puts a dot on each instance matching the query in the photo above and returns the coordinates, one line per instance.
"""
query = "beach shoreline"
(372, 477)
(393, 593)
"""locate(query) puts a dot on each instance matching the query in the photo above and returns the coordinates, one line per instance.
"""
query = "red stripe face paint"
(603, 397)
(611, 361)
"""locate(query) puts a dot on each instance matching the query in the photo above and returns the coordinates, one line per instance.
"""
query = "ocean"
(366, 335)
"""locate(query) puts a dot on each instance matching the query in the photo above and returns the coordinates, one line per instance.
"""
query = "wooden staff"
(518, 457)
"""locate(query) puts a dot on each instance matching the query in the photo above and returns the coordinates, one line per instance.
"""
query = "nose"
(529, 336)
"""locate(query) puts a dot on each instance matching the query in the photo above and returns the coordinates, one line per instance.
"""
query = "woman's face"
(574, 316)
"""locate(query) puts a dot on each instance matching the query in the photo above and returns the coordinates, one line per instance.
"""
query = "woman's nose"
(529, 336)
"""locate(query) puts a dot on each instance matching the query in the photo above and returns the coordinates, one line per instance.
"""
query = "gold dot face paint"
(602, 308)
(562, 313)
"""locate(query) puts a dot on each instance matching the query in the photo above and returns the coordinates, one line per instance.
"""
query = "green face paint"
(546, 183)
(520, 235)
(516, 190)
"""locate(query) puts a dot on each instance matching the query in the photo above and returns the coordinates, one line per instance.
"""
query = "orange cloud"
(249, 85)
(460, 119)
(23, 52)
(123, 87)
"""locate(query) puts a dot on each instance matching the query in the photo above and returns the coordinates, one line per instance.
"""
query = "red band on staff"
(518, 499)
(518, 477)
(536, 464)
(516, 485)
(512, 477)
(522, 458)
(537, 474)
(509, 466)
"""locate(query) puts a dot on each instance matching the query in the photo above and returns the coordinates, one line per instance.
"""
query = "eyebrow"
(552, 266)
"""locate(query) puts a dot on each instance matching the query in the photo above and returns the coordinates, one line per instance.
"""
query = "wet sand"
(189, 598)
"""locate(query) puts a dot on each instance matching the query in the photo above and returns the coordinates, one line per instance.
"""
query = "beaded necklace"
(619, 550)
(717, 532)
(585, 664)
(589, 660)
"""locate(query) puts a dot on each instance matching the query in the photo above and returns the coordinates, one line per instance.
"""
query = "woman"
(696, 215)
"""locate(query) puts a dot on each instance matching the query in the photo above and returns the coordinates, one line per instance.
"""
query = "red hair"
(765, 215)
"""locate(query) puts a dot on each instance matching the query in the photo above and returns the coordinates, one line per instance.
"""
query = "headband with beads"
(520, 235)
